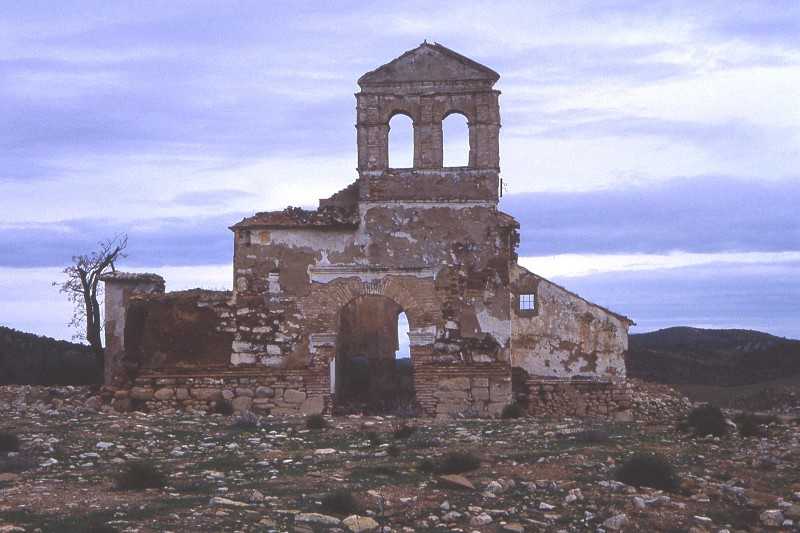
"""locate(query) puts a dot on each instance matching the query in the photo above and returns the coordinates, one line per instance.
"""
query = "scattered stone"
(317, 518)
(456, 481)
(255, 496)
(616, 522)
(324, 451)
(793, 512)
(480, 520)
(360, 524)
(219, 501)
(772, 518)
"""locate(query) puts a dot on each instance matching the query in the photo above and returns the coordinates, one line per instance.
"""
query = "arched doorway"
(373, 366)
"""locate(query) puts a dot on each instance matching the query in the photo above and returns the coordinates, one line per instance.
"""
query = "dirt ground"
(534, 474)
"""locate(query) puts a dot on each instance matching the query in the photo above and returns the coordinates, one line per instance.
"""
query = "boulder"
(456, 481)
(616, 522)
(772, 518)
(294, 396)
(142, 393)
(317, 518)
(218, 501)
(242, 403)
(360, 524)
(265, 392)
(312, 406)
(207, 395)
(164, 394)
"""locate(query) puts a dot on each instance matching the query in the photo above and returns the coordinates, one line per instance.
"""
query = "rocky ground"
(534, 474)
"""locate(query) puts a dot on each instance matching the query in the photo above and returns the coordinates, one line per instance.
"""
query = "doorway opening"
(373, 373)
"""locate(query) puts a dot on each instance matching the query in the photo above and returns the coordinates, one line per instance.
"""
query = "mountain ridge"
(697, 356)
(30, 359)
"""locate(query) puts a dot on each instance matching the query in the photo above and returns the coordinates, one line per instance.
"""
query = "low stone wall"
(557, 398)
(280, 392)
(480, 388)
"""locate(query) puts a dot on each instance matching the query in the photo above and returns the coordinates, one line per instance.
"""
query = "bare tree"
(81, 287)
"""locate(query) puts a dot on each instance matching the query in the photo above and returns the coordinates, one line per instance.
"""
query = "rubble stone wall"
(579, 398)
(275, 392)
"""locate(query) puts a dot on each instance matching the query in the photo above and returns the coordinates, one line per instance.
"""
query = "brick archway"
(415, 294)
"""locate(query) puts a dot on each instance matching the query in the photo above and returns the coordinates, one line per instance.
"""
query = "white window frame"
(527, 301)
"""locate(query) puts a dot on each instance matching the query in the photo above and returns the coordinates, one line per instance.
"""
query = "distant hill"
(726, 357)
(28, 359)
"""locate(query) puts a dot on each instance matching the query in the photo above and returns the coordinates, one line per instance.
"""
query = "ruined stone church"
(311, 322)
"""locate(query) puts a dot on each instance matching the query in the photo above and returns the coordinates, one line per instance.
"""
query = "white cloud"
(29, 302)
(579, 265)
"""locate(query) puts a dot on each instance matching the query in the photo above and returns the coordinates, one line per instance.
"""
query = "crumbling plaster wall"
(565, 336)
(118, 290)
(188, 329)
(288, 280)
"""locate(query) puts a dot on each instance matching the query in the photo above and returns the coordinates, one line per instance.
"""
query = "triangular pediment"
(429, 62)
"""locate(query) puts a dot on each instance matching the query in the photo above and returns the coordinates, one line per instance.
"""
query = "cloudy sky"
(651, 150)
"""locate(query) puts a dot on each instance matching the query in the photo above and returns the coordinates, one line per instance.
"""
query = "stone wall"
(275, 392)
(449, 389)
(577, 398)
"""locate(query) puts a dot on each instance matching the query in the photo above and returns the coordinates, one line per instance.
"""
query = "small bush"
(341, 502)
(8, 442)
(223, 407)
(450, 463)
(512, 410)
(247, 421)
(707, 420)
(316, 422)
(17, 463)
(749, 427)
(426, 465)
(648, 470)
(139, 476)
(593, 436)
(753, 425)
(365, 472)
(374, 438)
(403, 431)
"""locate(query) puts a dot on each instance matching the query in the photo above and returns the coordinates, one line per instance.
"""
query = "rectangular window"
(527, 302)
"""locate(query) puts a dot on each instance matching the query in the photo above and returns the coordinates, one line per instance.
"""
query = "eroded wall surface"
(565, 336)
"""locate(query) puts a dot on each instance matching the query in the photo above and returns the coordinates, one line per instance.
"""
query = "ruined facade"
(317, 293)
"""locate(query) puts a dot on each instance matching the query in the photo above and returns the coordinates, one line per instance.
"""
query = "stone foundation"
(446, 389)
(556, 398)
(284, 392)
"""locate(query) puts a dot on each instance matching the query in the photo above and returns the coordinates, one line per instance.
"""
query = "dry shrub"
(451, 463)
(8, 442)
(648, 470)
(316, 422)
(341, 502)
(512, 410)
(707, 420)
(140, 476)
